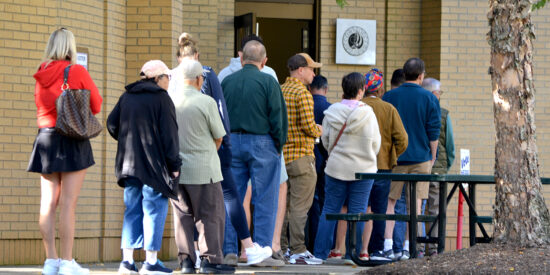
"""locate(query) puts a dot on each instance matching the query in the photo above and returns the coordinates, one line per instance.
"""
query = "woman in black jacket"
(144, 123)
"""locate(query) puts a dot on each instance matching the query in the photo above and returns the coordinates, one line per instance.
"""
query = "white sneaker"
(304, 258)
(198, 262)
(257, 254)
(72, 268)
(51, 267)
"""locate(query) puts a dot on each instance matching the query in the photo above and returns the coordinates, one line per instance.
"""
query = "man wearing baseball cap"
(145, 162)
(299, 156)
(199, 200)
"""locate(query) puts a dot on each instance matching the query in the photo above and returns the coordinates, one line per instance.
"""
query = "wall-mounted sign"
(355, 41)
(82, 57)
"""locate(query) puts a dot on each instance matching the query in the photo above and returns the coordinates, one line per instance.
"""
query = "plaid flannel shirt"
(302, 129)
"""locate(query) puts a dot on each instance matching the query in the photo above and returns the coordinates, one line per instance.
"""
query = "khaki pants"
(432, 208)
(200, 206)
(302, 179)
(421, 186)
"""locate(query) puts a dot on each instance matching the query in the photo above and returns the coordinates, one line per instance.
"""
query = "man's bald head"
(254, 52)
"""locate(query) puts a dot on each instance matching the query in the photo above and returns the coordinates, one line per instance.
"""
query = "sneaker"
(304, 258)
(389, 254)
(380, 256)
(72, 268)
(364, 256)
(155, 269)
(334, 255)
(269, 262)
(230, 259)
(208, 268)
(51, 267)
(186, 266)
(279, 255)
(127, 268)
(198, 262)
(257, 253)
(287, 253)
(405, 255)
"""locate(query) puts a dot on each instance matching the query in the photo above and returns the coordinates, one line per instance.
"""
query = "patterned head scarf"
(374, 80)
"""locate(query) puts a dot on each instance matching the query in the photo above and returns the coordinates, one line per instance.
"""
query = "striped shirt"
(302, 129)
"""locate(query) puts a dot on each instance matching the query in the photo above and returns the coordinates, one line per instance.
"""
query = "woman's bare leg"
(71, 182)
(49, 198)
(279, 220)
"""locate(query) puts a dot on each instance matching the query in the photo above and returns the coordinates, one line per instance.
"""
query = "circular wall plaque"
(355, 41)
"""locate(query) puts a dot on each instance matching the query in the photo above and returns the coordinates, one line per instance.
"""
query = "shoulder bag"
(74, 116)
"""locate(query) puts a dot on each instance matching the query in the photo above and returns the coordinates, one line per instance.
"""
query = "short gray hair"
(254, 51)
(431, 84)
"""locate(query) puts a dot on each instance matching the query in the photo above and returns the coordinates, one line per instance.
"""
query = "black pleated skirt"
(53, 152)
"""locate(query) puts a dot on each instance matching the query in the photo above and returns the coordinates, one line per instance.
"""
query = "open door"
(244, 25)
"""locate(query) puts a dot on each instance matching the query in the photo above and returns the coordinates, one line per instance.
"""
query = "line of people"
(206, 143)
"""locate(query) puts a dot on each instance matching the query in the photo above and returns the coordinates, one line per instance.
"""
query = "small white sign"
(82, 59)
(464, 161)
(355, 41)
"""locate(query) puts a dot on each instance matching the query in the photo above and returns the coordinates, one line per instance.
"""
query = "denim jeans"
(378, 202)
(336, 192)
(234, 211)
(256, 158)
(400, 228)
(144, 216)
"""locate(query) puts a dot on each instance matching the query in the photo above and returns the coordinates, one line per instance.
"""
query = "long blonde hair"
(61, 46)
(187, 46)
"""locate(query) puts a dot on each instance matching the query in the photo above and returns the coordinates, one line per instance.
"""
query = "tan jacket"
(393, 134)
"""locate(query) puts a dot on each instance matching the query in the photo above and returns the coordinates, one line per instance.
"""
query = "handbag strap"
(340, 134)
(65, 85)
(343, 127)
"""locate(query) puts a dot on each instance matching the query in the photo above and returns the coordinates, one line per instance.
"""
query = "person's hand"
(320, 128)
(175, 174)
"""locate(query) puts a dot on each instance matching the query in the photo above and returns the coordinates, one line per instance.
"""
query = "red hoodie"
(48, 88)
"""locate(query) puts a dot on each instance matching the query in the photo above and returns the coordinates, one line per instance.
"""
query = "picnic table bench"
(412, 218)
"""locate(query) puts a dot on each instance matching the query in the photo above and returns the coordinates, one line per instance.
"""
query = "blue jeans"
(256, 158)
(400, 228)
(236, 226)
(378, 202)
(336, 192)
(144, 216)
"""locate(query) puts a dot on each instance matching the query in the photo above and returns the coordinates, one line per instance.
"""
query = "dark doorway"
(284, 38)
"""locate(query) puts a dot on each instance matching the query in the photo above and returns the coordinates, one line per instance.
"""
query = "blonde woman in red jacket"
(60, 160)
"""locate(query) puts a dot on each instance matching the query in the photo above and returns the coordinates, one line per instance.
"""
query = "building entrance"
(286, 27)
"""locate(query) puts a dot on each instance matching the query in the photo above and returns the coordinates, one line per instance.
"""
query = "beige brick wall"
(119, 36)
(465, 56)
(402, 34)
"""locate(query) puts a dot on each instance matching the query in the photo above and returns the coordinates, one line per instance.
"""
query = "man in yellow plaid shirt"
(299, 157)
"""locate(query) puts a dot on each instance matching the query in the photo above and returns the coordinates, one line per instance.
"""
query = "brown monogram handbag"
(74, 116)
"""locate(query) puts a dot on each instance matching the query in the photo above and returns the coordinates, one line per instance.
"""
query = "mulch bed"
(480, 259)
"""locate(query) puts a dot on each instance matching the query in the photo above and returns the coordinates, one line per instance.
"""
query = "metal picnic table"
(412, 218)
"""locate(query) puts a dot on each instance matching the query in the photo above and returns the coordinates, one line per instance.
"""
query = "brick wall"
(402, 34)
(119, 36)
(464, 58)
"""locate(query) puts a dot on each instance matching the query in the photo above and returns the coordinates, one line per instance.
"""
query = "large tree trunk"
(521, 216)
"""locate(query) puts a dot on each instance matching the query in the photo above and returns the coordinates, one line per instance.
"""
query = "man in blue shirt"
(421, 116)
(318, 89)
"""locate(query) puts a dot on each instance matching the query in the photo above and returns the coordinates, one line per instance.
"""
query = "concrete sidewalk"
(111, 268)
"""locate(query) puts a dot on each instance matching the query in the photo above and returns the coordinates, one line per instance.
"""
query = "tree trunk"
(521, 217)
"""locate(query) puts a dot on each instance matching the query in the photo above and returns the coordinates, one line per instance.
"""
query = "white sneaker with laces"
(257, 253)
(304, 258)
(51, 267)
(72, 268)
